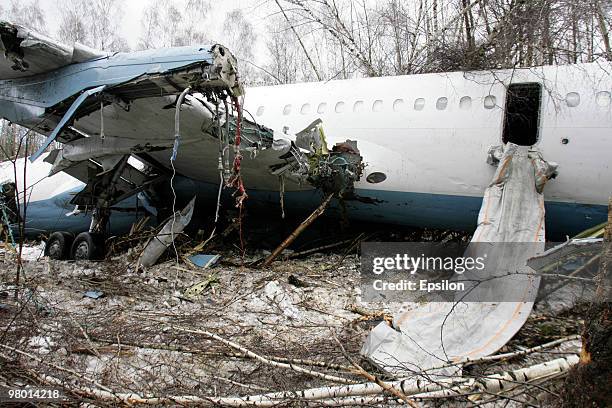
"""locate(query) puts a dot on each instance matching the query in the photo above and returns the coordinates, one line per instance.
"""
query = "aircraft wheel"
(58, 245)
(88, 246)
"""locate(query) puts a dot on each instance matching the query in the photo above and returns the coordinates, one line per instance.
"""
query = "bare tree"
(73, 27)
(94, 23)
(27, 13)
(284, 55)
(599, 13)
(173, 23)
(239, 35)
(401, 37)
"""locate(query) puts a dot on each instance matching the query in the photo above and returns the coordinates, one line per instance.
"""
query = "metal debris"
(204, 261)
(158, 244)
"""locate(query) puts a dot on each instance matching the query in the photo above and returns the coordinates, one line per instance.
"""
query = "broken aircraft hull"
(47, 212)
(421, 138)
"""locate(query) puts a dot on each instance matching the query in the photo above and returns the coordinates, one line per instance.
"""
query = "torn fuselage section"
(105, 129)
(308, 159)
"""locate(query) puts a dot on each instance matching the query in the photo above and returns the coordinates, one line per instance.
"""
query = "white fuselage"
(428, 134)
(427, 144)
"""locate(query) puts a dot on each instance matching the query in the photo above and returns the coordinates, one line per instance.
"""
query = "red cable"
(236, 180)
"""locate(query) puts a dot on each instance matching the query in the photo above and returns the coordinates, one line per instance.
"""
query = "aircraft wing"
(29, 53)
(206, 151)
(173, 110)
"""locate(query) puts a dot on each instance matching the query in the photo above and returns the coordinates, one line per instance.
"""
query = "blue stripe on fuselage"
(389, 207)
(442, 210)
(50, 215)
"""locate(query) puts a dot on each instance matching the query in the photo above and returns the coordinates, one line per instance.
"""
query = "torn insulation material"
(425, 336)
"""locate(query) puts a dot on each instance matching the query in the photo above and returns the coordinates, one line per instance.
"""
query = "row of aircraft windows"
(572, 99)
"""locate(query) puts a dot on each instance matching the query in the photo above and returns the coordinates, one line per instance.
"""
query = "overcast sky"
(256, 12)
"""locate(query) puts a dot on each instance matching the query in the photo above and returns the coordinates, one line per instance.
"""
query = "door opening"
(522, 119)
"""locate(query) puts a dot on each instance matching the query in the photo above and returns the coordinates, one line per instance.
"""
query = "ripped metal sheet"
(29, 53)
(67, 116)
(426, 336)
(158, 244)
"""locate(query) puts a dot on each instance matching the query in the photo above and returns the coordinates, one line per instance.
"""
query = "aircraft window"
(572, 99)
(305, 109)
(377, 105)
(419, 104)
(376, 177)
(465, 103)
(398, 105)
(358, 106)
(321, 108)
(287, 110)
(441, 103)
(522, 116)
(490, 101)
(260, 111)
(339, 107)
(603, 99)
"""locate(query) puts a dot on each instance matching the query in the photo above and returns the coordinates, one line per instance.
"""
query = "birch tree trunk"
(605, 35)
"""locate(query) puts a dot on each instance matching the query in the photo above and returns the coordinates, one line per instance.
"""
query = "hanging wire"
(177, 141)
(236, 179)
(281, 189)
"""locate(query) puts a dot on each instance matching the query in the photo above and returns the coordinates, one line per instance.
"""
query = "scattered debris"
(158, 244)
(237, 321)
(93, 294)
(315, 214)
(204, 261)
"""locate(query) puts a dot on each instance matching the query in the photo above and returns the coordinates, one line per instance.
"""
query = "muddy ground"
(109, 324)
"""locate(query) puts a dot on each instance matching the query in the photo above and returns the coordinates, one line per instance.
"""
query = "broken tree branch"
(315, 214)
(186, 350)
(524, 352)
(264, 360)
(319, 249)
(372, 378)
(463, 386)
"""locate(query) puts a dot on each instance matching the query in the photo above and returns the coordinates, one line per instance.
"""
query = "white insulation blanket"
(431, 335)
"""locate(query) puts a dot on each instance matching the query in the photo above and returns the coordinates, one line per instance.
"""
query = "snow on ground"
(141, 331)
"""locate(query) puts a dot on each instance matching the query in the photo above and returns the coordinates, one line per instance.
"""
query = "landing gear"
(88, 246)
(58, 245)
(111, 179)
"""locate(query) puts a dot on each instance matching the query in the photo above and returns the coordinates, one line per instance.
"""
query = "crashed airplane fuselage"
(423, 138)
(146, 129)
(417, 159)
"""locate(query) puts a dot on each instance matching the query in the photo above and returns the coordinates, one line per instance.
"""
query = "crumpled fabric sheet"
(427, 336)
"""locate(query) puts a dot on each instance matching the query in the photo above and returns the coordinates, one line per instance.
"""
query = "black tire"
(58, 245)
(88, 246)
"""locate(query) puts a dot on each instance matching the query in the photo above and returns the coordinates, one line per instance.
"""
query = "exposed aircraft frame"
(110, 108)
